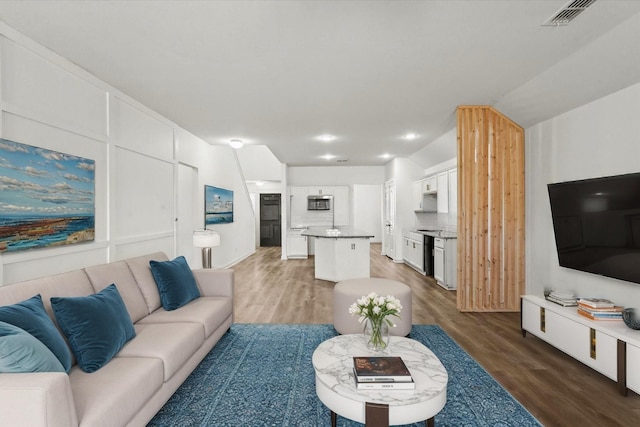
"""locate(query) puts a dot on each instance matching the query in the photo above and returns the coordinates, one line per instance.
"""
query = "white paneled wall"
(48, 102)
(33, 86)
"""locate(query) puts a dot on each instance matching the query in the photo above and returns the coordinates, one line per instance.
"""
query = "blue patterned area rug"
(261, 375)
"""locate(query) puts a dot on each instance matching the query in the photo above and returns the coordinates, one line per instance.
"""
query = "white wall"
(598, 139)
(403, 172)
(367, 213)
(300, 176)
(48, 102)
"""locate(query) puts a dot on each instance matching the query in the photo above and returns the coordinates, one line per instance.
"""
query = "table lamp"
(206, 239)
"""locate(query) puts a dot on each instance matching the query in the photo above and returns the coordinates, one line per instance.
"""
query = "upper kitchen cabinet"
(443, 192)
(453, 191)
(430, 185)
(297, 206)
(341, 205)
(417, 196)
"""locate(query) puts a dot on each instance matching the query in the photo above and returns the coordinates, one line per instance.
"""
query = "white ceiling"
(280, 73)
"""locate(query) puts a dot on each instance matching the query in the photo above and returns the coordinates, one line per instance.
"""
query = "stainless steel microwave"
(318, 203)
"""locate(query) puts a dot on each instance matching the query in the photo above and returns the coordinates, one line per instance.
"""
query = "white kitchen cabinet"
(438, 260)
(297, 246)
(430, 184)
(453, 191)
(320, 191)
(451, 263)
(413, 250)
(298, 206)
(341, 205)
(445, 262)
(443, 192)
(417, 196)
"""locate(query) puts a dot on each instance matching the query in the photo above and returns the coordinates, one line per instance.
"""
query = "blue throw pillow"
(97, 326)
(175, 282)
(22, 352)
(31, 316)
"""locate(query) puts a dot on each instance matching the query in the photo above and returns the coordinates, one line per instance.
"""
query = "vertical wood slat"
(490, 211)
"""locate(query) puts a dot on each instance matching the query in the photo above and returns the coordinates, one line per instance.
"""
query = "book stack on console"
(564, 299)
(379, 373)
(599, 309)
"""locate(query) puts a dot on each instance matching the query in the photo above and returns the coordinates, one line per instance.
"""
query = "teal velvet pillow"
(22, 352)
(31, 316)
(175, 282)
(97, 326)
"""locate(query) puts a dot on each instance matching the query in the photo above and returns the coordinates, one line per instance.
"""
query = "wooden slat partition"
(490, 211)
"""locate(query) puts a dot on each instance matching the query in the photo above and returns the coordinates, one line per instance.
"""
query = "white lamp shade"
(205, 239)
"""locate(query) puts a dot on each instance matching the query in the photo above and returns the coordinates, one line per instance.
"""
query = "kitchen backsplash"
(441, 221)
(312, 219)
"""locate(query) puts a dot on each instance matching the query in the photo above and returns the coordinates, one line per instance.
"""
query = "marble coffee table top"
(333, 364)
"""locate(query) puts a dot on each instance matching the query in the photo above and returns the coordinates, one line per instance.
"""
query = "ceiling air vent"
(342, 160)
(568, 13)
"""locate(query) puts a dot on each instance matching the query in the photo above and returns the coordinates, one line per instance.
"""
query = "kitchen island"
(340, 254)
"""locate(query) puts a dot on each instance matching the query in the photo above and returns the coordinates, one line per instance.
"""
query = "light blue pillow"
(97, 326)
(22, 352)
(175, 282)
(31, 316)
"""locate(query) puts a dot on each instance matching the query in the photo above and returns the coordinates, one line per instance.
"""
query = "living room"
(150, 170)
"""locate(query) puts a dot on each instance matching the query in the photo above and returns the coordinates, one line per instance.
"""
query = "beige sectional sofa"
(131, 388)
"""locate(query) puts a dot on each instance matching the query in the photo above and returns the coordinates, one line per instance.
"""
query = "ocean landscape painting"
(218, 205)
(47, 198)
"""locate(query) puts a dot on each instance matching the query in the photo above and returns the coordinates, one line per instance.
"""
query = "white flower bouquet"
(374, 309)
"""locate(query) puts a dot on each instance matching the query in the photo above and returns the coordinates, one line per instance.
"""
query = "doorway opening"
(270, 220)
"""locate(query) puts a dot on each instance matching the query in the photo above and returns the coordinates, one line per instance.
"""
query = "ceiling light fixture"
(326, 138)
(236, 143)
(410, 136)
(328, 156)
(385, 156)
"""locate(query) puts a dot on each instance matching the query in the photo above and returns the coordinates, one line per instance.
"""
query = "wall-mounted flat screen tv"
(596, 223)
(218, 205)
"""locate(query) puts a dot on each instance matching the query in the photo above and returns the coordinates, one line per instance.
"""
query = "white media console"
(609, 347)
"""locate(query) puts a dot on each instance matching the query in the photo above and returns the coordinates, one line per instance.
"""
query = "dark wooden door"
(270, 215)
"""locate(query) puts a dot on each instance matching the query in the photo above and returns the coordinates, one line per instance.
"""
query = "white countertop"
(337, 233)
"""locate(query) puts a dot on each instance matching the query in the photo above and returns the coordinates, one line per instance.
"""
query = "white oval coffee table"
(335, 383)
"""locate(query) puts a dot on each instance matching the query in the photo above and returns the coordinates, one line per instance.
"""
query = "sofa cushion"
(119, 273)
(113, 395)
(140, 269)
(210, 312)
(97, 326)
(31, 316)
(173, 343)
(22, 352)
(175, 282)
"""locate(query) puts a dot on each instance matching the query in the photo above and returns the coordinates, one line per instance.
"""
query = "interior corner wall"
(48, 102)
(597, 139)
(403, 172)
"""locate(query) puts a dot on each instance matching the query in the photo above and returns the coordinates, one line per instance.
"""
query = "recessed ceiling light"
(259, 183)
(385, 156)
(328, 156)
(236, 143)
(410, 136)
(326, 138)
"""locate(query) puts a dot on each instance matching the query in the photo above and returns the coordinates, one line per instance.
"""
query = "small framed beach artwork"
(47, 198)
(218, 205)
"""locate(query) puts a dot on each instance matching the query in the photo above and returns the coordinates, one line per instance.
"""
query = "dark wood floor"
(555, 388)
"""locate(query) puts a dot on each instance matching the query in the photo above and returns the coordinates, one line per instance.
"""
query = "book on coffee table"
(380, 369)
(384, 385)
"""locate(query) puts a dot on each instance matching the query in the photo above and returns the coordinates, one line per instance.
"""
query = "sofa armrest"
(37, 399)
(214, 283)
